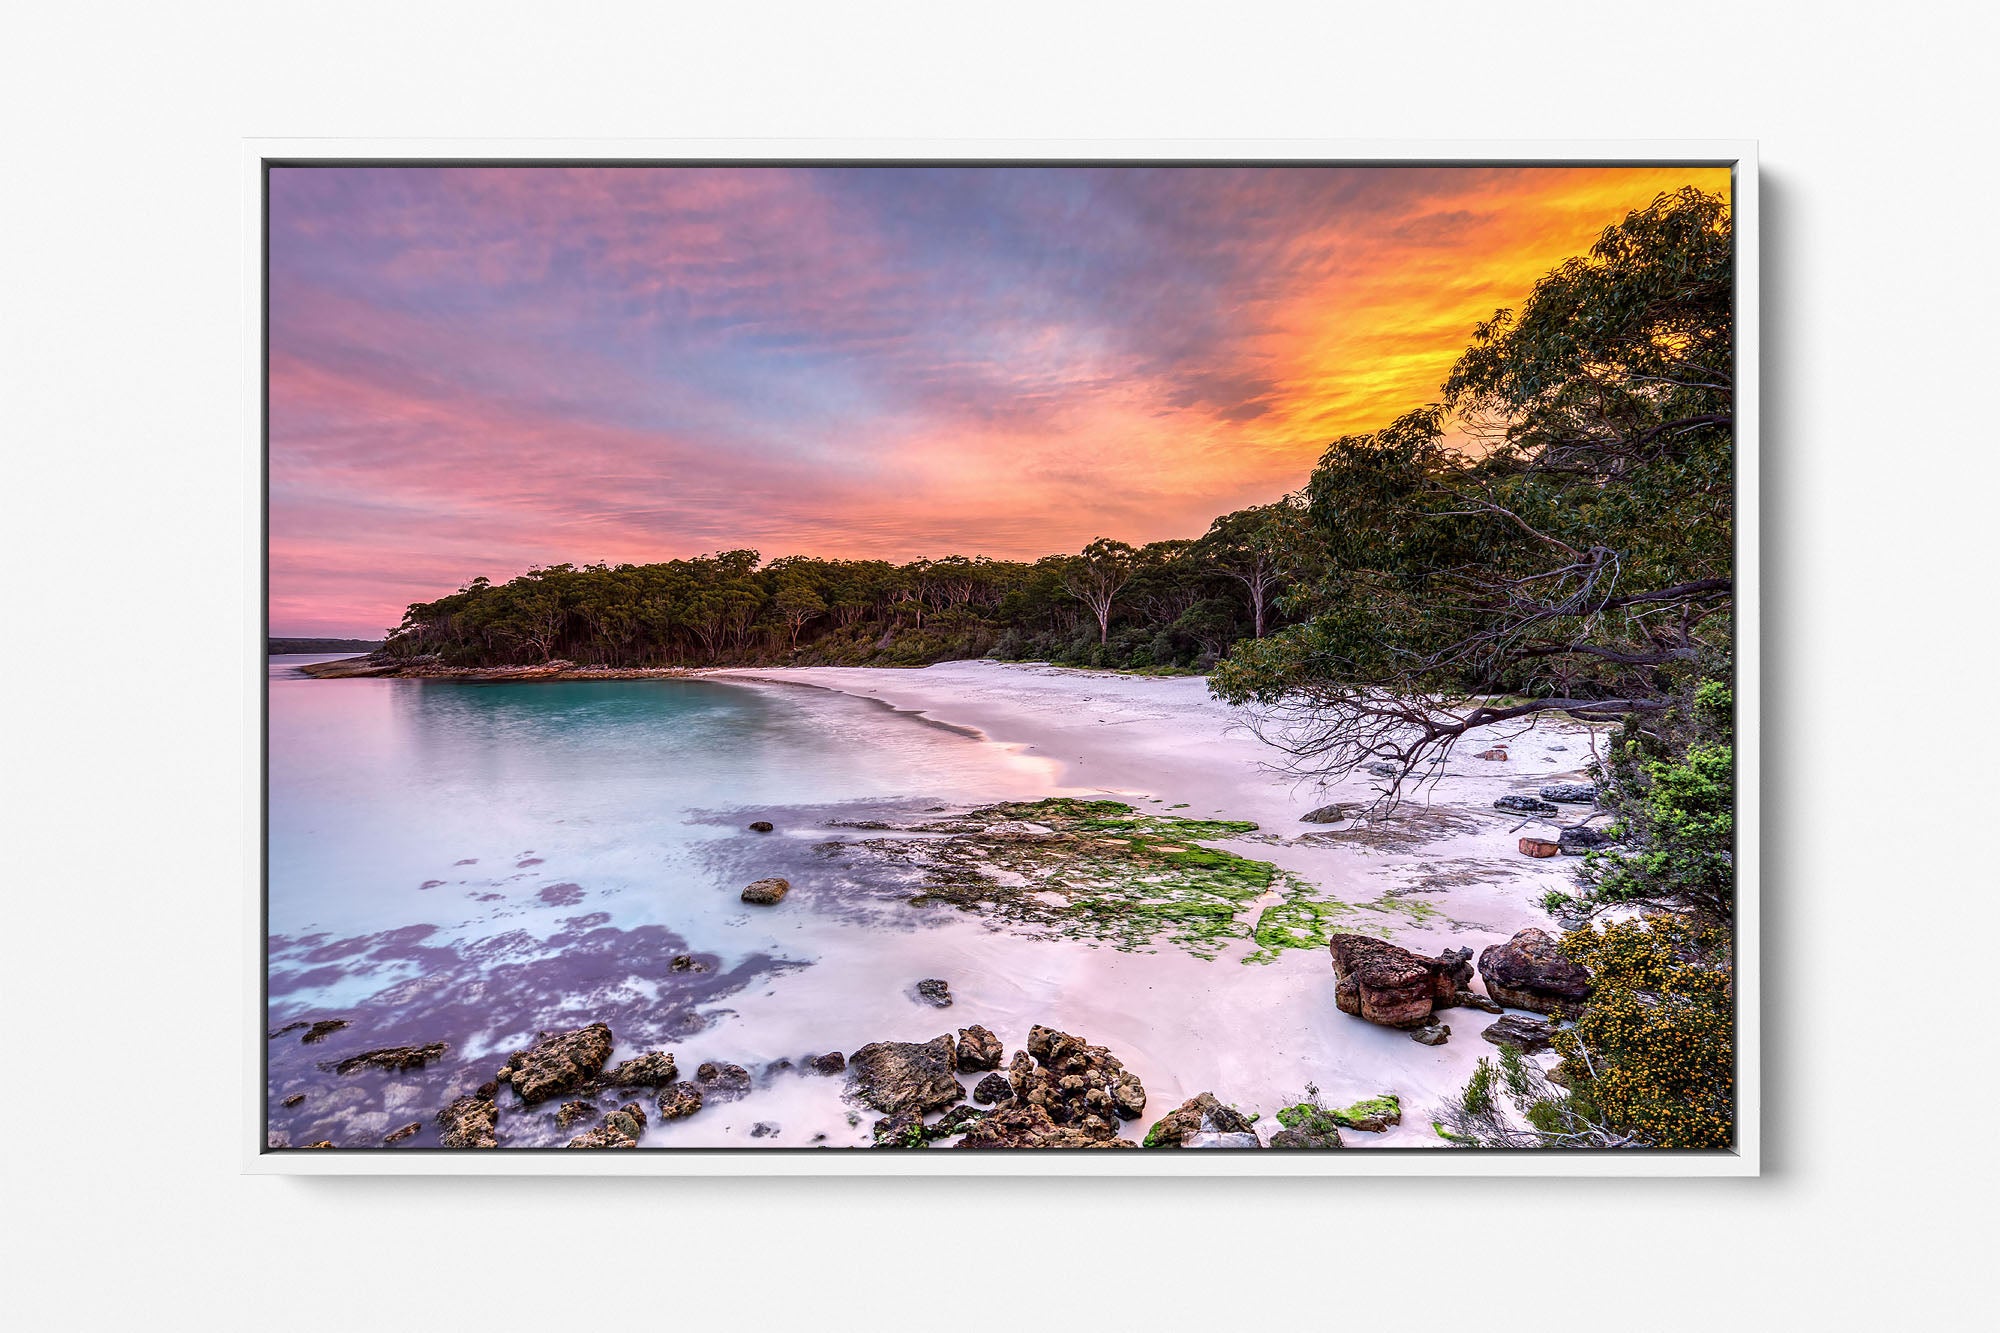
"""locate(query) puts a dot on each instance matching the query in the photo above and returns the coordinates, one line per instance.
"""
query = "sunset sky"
(478, 370)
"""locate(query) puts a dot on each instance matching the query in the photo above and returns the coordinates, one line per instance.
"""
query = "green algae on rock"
(1099, 870)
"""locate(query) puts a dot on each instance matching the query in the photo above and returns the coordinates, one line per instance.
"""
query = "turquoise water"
(470, 863)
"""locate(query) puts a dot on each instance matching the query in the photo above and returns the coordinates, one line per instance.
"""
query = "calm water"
(471, 863)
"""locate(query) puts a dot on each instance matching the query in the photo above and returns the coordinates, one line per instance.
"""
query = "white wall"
(123, 314)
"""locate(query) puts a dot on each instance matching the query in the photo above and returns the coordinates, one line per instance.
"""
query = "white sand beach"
(1444, 872)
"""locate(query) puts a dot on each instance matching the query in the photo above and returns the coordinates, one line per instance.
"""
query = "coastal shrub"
(1671, 786)
(1654, 1049)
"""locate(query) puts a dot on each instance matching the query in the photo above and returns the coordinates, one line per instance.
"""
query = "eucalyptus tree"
(1557, 529)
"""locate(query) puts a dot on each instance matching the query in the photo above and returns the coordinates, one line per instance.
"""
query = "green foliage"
(1172, 606)
(1579, 558)
(1671, 786)
(1654, 1050)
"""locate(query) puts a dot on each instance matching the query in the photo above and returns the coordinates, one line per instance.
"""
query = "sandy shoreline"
(1253, 1033)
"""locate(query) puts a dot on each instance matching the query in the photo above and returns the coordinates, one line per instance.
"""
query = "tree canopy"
(1554, 535)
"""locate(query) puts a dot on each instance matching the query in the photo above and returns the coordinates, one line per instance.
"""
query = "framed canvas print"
(983, 659)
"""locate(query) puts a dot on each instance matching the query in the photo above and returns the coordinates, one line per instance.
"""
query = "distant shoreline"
(426, 669)
(278, 644)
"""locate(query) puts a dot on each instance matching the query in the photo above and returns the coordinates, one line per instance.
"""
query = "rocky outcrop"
(1373, 1115)
(1328, 814)
(979, 1049)
(686, 962)
(392, 1058)
(621, 1129)
(898, 1076)
(833, 1062)
(1472, 999)
(469, 1122)
(320, 1031)
(292, 1100)
(1530, 971)
(1432, 1034)
(1518, 1030)
(905, 1129)
(722, 1082)
(570, 1112)
(1570, 793)
(557, 1063)
(1307, 1125)
(1076, 1083)
(1202, 1122)
(1387, 984)
(760, 826)
(1524, 805)
(993, 1088)
(680, 1101)
(655, 1069)
(1579, 840)
(767, 892)
(934, 992)
(1025, 1125)
(398, 1135)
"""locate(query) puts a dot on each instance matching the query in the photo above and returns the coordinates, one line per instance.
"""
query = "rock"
(1076, 1083)
(765, 1129)
(905, 1129)
(570, 1112)
(1307, 1125)
(1517, 1030)
(686, 962)
(321, 1143)
(1328, 814)
(993, 1088)
(722, 1082)
(767, 892)
(621, 1129)
(957, 1120)
(276, 1033)
(680, 1101)
(319, 1031)
(1373, 1116)
(1472, 999)
(1387, 984)
(398, 1135)
(293, 1100)
(760, 826)
(1381, 770)
(1198, 1116)
(655, 1069)
(1455, 967)
(1524, 805)
(833, 1062)
(898, 1076)
(979, 1049)
(558, 1062)
(468, 1123)
(1498, 754)
(1578, 840)
(1570, 793)
(1540, 848)
(1437, 1034)
(1530, 971)
(1028, 1125)
(393, 1058)
(934, 992)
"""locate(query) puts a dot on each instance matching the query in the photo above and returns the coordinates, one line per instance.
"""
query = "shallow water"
(469, 863)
